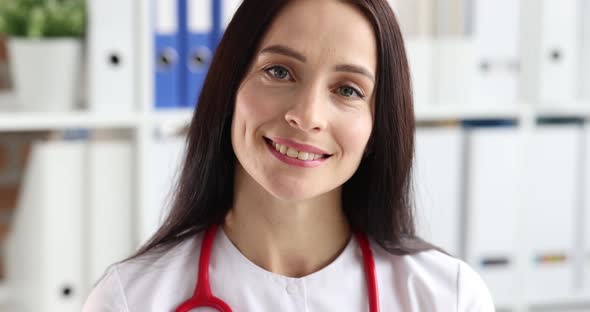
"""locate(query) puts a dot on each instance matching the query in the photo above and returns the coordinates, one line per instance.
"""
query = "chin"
(293, 192)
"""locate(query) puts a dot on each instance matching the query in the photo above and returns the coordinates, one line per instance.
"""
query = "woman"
(300, 148)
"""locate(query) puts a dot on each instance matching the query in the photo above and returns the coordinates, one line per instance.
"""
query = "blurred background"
(95, 96)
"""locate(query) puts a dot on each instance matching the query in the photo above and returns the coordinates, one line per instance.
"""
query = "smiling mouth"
(294, 153)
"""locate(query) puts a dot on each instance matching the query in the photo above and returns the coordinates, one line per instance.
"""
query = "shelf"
(572, 110)
(575, 299)
(171, 117)
(34, 121)
(12, 121)
(431, 113)
(579, 300)
(441, 112)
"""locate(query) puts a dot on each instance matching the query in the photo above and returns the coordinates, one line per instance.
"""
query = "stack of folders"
(526, 215)
(458, 52)
(186, 33)
(486, 193)
(496, 53)
(72, 221)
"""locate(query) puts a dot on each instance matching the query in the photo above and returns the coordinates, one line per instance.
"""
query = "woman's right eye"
(278, 72)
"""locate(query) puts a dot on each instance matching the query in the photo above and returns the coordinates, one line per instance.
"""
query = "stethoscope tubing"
(202, 297)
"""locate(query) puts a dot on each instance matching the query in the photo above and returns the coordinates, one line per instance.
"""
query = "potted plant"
(45, 51)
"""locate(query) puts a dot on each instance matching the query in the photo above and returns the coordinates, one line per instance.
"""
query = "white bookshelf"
(143, 123)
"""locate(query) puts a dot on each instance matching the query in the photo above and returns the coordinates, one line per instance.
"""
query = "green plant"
(43, 18)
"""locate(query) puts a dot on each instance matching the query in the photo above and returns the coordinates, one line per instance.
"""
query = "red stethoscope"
(204, 298)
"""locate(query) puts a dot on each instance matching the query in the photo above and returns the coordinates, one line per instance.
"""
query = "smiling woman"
(306, 87)
(294, 194)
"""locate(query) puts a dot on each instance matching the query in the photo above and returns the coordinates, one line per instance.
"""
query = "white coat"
(428, 281)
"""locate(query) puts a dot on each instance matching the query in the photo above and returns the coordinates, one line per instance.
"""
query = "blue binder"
(198, 20)
(167, 69)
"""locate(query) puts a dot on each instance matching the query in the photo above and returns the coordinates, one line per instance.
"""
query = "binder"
(454, 54)
(584, 227)
(551, 206)
(492, 189)
(549, 61)
(454, 70)
(165, 158)
(167, 76)
(44, 251)
(584, 71)
(420, 60)
(112, 42)
(197, 22)
(437, 185)
(110, 204)
(497, 51)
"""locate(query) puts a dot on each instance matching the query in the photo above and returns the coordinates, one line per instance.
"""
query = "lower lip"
(294, 161)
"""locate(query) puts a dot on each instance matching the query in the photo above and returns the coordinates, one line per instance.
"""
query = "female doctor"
(295, 190)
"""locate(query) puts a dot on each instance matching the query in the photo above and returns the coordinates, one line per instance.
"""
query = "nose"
(308, 111)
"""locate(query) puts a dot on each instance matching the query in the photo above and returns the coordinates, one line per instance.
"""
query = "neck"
(291, 238)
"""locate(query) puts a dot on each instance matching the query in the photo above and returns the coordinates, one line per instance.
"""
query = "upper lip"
(300, 146)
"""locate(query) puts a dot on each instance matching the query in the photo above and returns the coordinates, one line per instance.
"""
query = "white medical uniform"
(428, 281)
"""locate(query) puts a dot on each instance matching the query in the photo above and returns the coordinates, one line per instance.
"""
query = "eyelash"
(267, 70)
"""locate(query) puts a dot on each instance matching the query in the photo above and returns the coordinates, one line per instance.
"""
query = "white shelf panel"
(578, 299)
(184, 116)
(442, 112)
(32, 121)
(575, 109)
(171, 117)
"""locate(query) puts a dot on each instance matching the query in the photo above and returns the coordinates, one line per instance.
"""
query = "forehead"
(325, 31)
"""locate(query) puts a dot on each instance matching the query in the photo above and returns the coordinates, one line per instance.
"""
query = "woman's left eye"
(278, 72)
(348, 91)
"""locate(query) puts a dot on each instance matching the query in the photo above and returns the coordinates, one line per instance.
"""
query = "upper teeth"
(293, 153)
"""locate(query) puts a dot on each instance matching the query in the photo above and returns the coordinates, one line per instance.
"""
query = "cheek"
(249, 108)
(354, 134)
(253, 105)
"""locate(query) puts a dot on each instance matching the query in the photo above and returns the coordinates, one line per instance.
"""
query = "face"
(304, 111)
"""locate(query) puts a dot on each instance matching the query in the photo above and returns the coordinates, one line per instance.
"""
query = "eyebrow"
(286, 51)
(354, 69)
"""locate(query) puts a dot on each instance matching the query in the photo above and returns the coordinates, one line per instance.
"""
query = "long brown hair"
(376, 199)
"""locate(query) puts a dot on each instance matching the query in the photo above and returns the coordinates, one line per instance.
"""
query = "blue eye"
(278, 72)
(349, 92)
